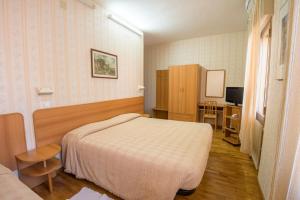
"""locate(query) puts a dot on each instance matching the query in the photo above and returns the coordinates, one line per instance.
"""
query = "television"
(234, 95)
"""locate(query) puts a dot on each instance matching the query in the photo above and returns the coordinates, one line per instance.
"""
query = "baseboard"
(255, 161)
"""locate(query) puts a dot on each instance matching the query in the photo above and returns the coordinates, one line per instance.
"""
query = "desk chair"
(210, 111)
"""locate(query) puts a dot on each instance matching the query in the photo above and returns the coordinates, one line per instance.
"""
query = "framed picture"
(215, 83)
(283, 43)
(104, 65)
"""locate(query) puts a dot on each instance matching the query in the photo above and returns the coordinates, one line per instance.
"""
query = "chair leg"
(215, 124)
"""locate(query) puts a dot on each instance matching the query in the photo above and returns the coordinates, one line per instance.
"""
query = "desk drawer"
(183, 117)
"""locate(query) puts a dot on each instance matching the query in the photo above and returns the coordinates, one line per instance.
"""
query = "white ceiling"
(170, 20)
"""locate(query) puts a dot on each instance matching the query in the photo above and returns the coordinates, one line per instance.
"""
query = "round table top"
(40, 154)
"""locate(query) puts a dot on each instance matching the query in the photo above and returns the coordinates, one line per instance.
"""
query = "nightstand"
(40, 162)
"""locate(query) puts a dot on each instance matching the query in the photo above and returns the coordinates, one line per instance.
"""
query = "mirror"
(215, 83)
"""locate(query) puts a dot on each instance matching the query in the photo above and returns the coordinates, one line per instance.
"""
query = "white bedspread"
(11, 188)
(139, 158)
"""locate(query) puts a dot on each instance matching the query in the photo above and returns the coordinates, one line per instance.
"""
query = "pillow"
(87, 129)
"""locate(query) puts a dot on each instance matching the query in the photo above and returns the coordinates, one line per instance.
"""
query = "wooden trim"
(223, 83)
(12, 139)
(52, 124)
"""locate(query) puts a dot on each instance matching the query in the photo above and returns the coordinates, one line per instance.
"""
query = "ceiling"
(169, 20)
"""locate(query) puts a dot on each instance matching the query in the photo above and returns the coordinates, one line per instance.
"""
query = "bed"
(136, 157)
(12, 188)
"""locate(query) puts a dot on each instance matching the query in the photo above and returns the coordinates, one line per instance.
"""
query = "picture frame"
(215, 83)
(283, 43)
(104, 65)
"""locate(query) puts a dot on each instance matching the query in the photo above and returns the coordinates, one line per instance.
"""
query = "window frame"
(266, 33)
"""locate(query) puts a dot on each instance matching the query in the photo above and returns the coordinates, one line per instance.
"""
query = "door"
(174, 89)
(190, 89)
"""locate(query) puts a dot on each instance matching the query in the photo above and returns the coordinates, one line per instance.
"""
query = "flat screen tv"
(234, 95)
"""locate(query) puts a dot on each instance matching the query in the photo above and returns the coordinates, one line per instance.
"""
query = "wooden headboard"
(52, 124)
(12, 139)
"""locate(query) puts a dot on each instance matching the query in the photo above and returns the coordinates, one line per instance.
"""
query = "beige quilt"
(11, 188)
(139, 158)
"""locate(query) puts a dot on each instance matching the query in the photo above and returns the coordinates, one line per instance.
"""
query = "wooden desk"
(219, 106)
(220, 110)
(41, 162)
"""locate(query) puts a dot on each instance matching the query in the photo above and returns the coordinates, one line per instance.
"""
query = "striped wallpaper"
(224, 51)
(44, 44)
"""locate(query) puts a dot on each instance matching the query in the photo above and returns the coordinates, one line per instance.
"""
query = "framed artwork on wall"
(283, 43)
(215, 83)
(104, 65)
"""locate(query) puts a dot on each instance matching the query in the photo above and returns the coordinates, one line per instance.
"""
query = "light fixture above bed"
(44, 91)
(124, 24)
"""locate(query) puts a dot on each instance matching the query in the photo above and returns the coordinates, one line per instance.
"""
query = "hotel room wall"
(287, 175)
(294, 192)
(275, 111)
(43, 44)
(224, 51)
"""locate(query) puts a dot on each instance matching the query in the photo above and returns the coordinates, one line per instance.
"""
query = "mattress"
(11, 188)
(139, 158)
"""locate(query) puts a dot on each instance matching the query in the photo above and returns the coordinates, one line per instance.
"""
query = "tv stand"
(232, 123)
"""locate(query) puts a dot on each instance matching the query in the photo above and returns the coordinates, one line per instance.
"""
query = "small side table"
(39, 162)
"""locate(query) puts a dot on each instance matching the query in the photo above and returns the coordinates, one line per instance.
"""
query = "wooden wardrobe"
(184, 92)
(162, 94)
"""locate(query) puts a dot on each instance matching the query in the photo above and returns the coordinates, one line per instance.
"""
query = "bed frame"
(12, 139)
(52, 124)
(185, 192)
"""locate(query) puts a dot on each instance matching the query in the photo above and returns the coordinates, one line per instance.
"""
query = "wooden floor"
(229, 175)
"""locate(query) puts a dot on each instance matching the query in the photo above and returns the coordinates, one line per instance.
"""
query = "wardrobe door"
(182, 89)
(174, 89)
(162, 89)
(183, 93)
(190, 89)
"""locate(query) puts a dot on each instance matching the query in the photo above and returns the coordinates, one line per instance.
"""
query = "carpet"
(86, 193)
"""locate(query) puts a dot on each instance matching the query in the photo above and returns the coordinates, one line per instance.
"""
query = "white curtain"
(249, 104)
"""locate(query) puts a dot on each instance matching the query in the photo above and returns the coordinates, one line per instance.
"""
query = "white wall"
(225, 51)
(294, 192)
(275, 112)
(44, 45)
(287, 174)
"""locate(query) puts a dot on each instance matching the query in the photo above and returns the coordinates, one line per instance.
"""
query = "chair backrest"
(210, 107)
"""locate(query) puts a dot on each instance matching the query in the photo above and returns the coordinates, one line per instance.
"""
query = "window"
(263, 74)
